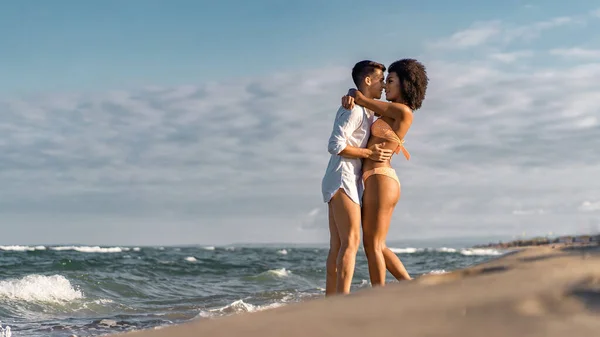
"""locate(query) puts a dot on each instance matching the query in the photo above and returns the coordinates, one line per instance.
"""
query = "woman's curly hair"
(413, 81)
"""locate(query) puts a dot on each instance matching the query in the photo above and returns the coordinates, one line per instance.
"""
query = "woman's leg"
(346, 214)
(394, 265)
(334, 247)
(379, 199)
(392, 261)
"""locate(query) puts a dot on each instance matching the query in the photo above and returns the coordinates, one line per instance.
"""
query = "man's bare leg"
(334, 248)
(347, 219)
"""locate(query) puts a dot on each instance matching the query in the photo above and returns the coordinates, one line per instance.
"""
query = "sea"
(81, 290)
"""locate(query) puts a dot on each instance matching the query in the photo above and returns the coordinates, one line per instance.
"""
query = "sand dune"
(535, 292)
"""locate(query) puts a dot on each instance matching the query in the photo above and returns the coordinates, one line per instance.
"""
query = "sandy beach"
(538, 291)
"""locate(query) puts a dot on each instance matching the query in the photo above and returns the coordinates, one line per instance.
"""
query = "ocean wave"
(5, 331)
(463, 251)
(280, 272)
(481, 252)
(39, 288)
(446, 250)
(405, 250)
(238, 306)
(22, 249)
(273, 274)
(91, 249)
(190, 259)
(282, 252)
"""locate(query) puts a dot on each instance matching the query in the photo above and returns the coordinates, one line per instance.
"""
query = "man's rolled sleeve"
(346, 122)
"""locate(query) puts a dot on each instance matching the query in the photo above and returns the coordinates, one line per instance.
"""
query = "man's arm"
(346, 122)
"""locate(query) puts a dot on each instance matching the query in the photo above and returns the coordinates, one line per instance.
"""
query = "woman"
(405, 89)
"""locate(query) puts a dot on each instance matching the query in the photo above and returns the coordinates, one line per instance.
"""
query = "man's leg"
(334, 248)
(346, 214)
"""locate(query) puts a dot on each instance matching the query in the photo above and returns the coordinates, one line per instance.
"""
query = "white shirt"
(351, 127)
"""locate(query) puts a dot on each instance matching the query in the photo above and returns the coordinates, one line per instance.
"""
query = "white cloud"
(576, 53)
(590, 206)
(528, 211)
(479, 33)
(243, 160)
(500, 32)
(510, 57)
(487, 141)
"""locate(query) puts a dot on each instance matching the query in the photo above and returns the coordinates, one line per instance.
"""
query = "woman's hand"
(348, 102)
(351, 98)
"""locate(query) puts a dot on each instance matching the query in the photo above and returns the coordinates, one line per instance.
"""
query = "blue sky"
(108, 44)
(155, 122)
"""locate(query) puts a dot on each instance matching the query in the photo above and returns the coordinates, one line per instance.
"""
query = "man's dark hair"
(413, 81)
(363, 69)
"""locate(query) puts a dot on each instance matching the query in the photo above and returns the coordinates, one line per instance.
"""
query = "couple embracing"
(360, 186)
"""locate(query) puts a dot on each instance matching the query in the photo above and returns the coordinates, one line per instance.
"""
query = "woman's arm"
(392, 110)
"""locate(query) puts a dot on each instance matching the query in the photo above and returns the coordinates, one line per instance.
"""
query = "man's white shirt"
(351, 127)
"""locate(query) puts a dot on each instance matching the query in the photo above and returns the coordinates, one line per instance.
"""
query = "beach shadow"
(538, 258)
(493, 269)
(588, 292)
(589, 297)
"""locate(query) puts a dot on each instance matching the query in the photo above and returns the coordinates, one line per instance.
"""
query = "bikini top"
(383, 130)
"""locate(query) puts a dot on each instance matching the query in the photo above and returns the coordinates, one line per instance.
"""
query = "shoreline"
(565, 240)
(526, 292)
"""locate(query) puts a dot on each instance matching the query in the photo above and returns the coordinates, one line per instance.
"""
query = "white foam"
(39, 288)
(89, 249)
(209, 248)
(446, 250)
(22, 248)
(241, 306)
(408, 250)
(481, 252)
(5, 331)
(465, 251)
(137, 249)
(103, 301)
(282, 252)
(438, 271)
(279, 272)
(190, 259)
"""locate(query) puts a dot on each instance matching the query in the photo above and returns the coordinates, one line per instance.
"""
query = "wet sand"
(538, 291)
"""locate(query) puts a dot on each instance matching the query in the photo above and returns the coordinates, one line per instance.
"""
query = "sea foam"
(39, 288)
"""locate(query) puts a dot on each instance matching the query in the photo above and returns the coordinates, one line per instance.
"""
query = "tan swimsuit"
(383, 130)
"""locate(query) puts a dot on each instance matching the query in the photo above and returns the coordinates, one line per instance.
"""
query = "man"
(342, 184)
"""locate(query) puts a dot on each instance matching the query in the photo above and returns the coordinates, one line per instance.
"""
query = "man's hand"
(378, 153)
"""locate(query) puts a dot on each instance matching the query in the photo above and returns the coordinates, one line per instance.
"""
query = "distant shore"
(569, 240)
